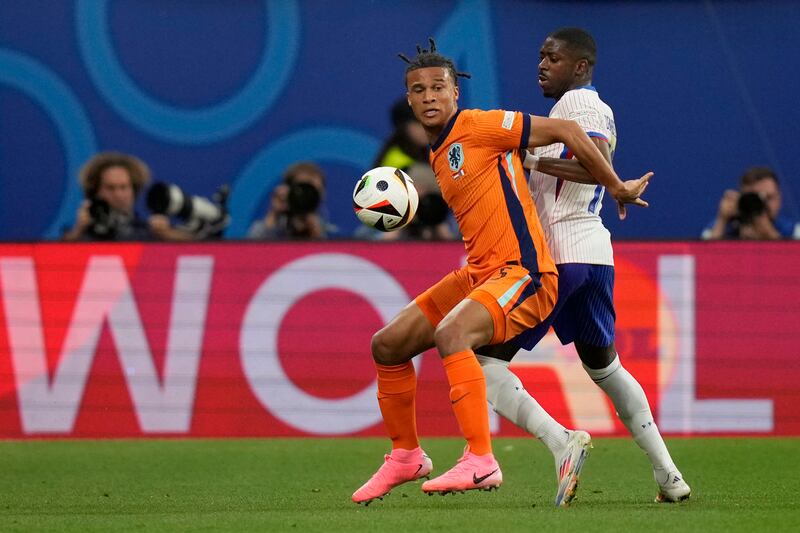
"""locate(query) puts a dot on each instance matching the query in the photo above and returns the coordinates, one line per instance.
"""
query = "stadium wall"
(233, 340)
(220, 92)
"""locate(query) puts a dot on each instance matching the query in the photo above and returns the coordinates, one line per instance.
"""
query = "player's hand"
(630, 193)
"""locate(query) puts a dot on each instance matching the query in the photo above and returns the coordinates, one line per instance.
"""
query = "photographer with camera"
(111, 183)
(752, 212)
(296, 210)
(407, 148)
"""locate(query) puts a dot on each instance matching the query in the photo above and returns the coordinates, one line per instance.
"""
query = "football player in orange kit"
(508, 285)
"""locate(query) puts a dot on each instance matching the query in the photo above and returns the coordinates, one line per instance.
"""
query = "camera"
(107, 223)
(203, 217)
(303, 198)
(750, 206)
(302, 201)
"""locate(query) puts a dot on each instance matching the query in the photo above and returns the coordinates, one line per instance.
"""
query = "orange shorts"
(516, 299)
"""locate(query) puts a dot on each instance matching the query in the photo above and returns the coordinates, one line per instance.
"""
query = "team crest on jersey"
(455, 156)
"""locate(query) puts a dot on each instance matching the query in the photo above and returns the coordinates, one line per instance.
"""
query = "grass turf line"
(305, 485)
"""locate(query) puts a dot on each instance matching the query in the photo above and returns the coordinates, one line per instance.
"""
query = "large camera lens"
(750, 206)
(303, 198)
(158, 198)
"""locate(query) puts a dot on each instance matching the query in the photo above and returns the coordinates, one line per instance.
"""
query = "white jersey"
(570, 212)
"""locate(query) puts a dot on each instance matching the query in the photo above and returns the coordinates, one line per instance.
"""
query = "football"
(385, 198)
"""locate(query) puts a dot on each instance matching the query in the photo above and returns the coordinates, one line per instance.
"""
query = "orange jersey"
(479, 169)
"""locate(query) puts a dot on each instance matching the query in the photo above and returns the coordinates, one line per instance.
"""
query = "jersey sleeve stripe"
(597, 135)
(527, 250)
(526, 131)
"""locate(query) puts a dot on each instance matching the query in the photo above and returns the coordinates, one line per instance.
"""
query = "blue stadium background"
(211, 92)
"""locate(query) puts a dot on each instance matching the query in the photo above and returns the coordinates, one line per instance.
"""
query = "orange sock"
(397, 389)
(468, 397)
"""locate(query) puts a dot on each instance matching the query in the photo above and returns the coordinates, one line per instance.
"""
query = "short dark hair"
(579, 41)
(432, 58)
(92, 172)
(755, 174)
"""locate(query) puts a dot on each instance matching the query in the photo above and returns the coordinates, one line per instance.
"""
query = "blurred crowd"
(296, 209)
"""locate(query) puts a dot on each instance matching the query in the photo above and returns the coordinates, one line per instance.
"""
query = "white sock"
(508, 397)
(634, 411)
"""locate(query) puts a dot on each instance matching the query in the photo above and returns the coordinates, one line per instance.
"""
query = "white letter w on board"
(50, 404)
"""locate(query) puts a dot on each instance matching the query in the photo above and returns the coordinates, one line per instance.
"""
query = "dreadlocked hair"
(432, 58)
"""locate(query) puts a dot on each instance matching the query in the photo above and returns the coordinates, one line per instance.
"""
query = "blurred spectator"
(752, 212)
(407, 149)
(434, 220)
(111, 183)
(296, 209)
(407, 144)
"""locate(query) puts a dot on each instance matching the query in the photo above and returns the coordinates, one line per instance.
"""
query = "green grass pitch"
(305, 485)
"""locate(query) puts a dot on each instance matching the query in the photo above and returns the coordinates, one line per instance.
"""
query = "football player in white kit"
(581, 248)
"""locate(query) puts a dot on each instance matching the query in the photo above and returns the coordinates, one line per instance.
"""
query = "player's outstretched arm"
(572, 170)
(566, 169)
(546, 131)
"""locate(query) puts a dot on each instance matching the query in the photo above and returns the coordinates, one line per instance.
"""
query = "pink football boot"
(470, 472)
(398, 468)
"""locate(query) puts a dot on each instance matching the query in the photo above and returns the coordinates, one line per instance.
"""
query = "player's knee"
(386, 347)
(449, 337)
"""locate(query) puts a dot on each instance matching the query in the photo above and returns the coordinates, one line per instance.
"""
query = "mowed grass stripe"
(739, 484)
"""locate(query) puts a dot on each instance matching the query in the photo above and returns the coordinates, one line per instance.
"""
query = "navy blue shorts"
(584, 311)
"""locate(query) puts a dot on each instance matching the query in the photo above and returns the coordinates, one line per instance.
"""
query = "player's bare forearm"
(566, 169)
